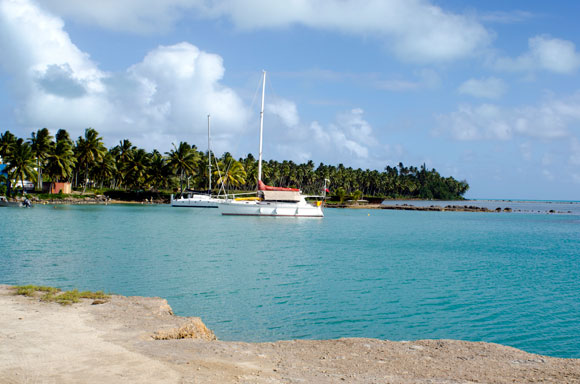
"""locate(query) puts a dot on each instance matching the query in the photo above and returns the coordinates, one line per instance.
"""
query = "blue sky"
(482, 91)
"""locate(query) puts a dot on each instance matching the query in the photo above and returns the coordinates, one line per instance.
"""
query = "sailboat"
(199, 199)
(271, 201)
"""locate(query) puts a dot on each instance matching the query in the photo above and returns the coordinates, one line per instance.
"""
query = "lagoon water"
(507, 278)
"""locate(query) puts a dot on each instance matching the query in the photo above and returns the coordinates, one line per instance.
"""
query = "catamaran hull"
(274, 209)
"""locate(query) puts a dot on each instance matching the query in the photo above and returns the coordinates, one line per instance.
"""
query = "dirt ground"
(133, 340)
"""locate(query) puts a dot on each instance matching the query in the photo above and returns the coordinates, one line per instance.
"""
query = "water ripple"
(510, 279)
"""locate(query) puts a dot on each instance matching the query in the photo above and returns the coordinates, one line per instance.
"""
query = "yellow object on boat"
(254, 198)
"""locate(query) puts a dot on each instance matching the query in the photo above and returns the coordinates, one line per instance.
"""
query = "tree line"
(87, 163)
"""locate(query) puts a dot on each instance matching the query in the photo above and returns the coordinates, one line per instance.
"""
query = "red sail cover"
(264, 187)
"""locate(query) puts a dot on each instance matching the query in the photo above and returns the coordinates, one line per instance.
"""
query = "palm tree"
(7, 140)
(41, 144)
(234, 174)
(90, 151)
(182, 160)
(105, 169)
(61, 161)
(122, 153)
(341, 194)
(158, 174)
(136, 167)
(22, 161)
(356, 196)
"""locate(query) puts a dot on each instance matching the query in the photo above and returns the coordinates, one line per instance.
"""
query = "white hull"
(196, 201)
(270, 208)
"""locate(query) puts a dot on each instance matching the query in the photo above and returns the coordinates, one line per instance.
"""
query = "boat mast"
(209, 154)
(261, 128)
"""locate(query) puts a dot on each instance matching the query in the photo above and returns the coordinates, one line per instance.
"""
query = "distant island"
(87, 165)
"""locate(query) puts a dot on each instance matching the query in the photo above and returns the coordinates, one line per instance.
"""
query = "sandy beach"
(132, 340)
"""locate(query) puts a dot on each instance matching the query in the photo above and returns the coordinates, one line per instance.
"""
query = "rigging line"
(271, 87)
(256, 93)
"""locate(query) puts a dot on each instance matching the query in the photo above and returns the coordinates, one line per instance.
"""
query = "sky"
(486, 92)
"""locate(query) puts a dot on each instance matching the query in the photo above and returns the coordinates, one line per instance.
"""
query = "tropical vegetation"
(87, 163)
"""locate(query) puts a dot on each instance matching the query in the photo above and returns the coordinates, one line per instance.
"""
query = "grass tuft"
(29, 290)
(55, 295)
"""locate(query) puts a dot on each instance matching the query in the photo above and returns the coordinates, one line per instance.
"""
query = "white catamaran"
(271, 201)
(199, 199)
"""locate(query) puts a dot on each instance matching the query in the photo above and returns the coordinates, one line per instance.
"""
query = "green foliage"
(21, 161)
(356, 195)
(182, 160)
(89, 152)
(41, 144)
(29, 290)
(135, 171)
(341, 194)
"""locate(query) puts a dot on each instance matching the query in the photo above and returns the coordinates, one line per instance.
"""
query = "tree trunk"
(39, 181)
(85, 181)
(181, 183)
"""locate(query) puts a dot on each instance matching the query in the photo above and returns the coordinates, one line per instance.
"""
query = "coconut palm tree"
(61, 160)
(105, 169)
(90, 151)
(136, 167)
(341, 194)
(182, 160)
(41, 144)
(356, 196)
(158, 174)
(7, 140)
(22, 161)
(232, 174)
(122, 153)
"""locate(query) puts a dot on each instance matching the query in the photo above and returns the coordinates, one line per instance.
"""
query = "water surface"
(512, 279)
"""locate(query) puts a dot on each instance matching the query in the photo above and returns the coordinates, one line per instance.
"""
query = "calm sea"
(512, 279)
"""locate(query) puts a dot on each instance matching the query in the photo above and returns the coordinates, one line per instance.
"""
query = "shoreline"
(115, 341)
(392, 205)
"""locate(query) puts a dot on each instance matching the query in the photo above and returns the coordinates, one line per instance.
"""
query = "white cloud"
(285, 110)
(140, 16)
(545, 53)
(415, 30)
(333, 138)
(553, 119)
(349, 136)
(490, 88)
(427, 78)
(356, 127)
(167, 95)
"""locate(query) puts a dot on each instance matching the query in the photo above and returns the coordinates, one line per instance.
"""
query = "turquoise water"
(512, 279)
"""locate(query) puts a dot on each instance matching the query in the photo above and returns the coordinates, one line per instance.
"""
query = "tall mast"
(261, 128)
(209, 153)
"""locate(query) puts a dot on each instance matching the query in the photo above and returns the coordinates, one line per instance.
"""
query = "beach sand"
(114, 342)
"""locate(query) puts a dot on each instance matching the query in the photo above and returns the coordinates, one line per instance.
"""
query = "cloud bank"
(415, 30)
(159, 100)
(551, 119)
(544, 54)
